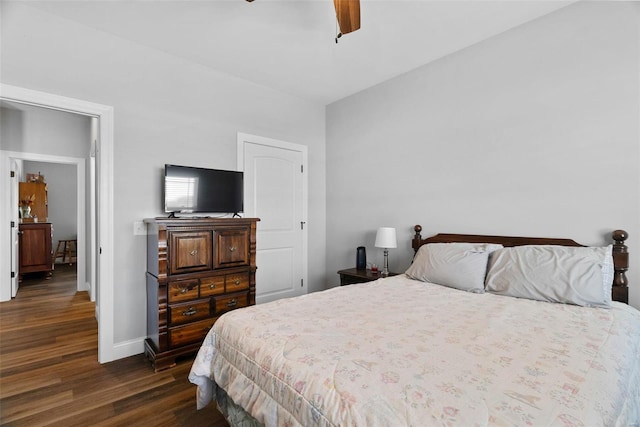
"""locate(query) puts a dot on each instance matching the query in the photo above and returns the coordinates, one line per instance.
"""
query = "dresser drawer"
(210, 286)
(182, 290)
(231, 302)
(237, 282)
(189, 312)
(193, 332)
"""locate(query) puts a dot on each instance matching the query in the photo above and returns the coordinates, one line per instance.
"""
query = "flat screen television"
(198, 190)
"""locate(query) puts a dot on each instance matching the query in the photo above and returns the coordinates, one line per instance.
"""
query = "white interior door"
(275, 192)
(15, 250)
(93, 212)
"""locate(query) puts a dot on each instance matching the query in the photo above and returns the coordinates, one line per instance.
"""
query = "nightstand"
(353, 275)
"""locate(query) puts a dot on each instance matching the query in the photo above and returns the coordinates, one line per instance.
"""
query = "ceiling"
(288, 45)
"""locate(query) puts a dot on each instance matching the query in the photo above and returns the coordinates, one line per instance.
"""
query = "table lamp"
(386, 239)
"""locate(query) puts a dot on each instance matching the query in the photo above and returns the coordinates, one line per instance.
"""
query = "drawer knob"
(237, 282)
(193, 252)
(186, 288)
(232, 303)
(212, 286)
(232, 248)
(190, 312)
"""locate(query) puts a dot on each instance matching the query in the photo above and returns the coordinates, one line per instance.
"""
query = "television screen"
(198, 190)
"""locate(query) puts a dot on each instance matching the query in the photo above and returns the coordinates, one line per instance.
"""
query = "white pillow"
(456, 265)
(563, 274)
(607, 274)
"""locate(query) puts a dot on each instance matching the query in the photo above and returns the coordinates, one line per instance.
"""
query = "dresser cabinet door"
(35, 246)
(190, 251)
(232, 247)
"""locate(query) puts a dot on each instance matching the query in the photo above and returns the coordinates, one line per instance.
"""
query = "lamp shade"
(386, 238)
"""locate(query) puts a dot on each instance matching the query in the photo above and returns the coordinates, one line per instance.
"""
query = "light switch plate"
(139, 228)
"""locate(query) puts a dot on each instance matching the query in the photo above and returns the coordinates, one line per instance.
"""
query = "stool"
(67, 250)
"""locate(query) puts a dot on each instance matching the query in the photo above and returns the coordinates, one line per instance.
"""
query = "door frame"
(105, 295)
(79, 164)
(244, 138)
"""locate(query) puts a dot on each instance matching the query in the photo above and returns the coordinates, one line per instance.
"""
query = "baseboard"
(128, 348)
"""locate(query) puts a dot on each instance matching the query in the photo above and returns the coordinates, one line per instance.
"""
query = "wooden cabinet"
(40, 203)
(35, 248)
(197, 270)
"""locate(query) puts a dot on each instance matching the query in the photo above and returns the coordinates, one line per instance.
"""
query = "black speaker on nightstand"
(361, 258)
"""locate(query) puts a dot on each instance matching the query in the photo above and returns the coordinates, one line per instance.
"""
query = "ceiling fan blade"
(348, 15)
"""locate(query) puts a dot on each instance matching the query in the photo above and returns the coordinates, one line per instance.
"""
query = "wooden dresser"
(197, 270)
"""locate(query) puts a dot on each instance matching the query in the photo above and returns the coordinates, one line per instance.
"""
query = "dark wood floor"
(49, 374)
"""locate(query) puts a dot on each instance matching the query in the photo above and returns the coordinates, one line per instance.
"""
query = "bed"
(404, 350)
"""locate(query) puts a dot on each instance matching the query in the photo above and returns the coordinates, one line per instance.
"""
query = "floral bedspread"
(400, 352)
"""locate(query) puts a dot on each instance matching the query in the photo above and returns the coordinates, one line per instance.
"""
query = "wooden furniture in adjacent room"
(197, 270)
(66, 248)
(40, 203)
(350, 276)
(36, 250)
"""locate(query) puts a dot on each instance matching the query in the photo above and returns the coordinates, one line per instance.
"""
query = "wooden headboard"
(620, 288)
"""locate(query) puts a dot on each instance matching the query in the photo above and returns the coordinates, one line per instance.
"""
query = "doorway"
(103, 246)
(78, 209)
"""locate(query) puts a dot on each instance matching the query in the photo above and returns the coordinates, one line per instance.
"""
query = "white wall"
(165, 110)
(29, 129)
(533, 132)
